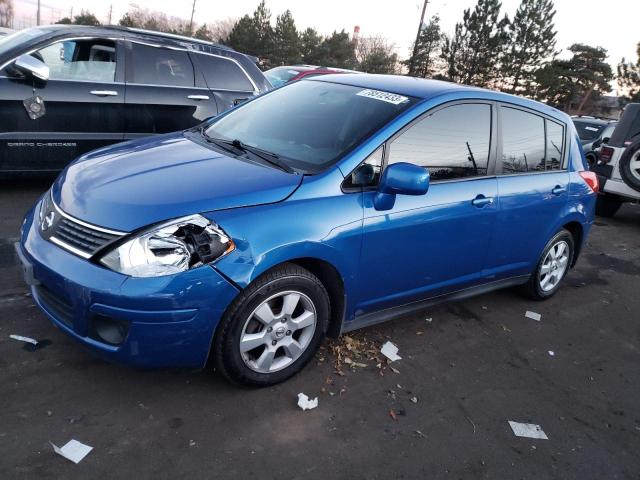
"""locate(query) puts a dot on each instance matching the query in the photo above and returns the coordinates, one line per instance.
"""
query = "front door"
(81, 106)
(162, 92)
(435, 243)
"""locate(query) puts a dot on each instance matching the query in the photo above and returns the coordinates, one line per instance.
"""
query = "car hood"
(135, 184)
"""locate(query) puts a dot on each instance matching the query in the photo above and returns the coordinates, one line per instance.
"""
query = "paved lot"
(478, 364)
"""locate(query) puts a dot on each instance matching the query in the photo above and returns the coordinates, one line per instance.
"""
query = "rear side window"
(160, 66)
(523, 141)
(452, 142)
(555, 140)
(223, 74)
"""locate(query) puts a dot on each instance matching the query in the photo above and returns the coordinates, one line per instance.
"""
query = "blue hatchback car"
(317, 208)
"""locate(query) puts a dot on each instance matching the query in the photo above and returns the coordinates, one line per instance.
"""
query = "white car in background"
(618, 165)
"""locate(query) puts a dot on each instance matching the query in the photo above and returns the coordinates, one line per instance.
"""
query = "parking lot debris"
(533, 315)
(31, 344)
(305, 404)
(73, 450)
(551, 353)
(429, 320)
(393, 415)
(528, 430)
(390, 351)
(420, 434)
(414, 399)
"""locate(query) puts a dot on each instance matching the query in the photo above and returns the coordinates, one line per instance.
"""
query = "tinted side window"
(160, 66)
(86, 60)
(555, 137)
(522, 141)
(223, 74)
(451, 143)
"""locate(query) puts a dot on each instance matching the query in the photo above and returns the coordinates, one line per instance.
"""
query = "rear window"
(222, 73)
(280, 75)
(588, 130)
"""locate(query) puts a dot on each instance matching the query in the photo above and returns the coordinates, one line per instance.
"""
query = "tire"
(607, 205)
(276, 345)
(535, 288)
(630, 166)
(591, 158)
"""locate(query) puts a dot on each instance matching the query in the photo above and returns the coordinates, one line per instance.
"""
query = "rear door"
(83, 101)
(162, 95)
(226, 79)
(533, 185)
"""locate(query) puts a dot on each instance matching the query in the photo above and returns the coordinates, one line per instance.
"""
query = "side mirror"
(400, 179)
(33, 66)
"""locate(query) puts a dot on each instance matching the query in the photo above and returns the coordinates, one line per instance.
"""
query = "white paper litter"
(533, 315)
(305, 404)
(73, 450)
(390, 351)
(528, 430)
(20, 338)
(551, 352)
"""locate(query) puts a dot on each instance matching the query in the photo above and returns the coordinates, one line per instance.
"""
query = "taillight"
(591, 179)
(605, 154)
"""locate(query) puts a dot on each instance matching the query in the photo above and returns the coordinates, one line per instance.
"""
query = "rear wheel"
(273, 328)
(607, 205)
(552, 267)
(630, 166)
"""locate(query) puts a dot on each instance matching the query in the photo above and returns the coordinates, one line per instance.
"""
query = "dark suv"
(65, 90)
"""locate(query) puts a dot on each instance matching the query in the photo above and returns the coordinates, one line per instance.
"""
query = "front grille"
(72, 234)
(80, 237)
(56, 305)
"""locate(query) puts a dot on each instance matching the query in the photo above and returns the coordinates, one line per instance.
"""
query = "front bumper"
(165, 321)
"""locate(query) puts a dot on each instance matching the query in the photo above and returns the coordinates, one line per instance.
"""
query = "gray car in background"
(592, 131)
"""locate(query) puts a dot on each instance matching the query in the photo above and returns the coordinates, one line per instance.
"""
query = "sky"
(612, 24)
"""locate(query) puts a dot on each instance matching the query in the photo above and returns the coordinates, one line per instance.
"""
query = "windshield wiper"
(267, 156)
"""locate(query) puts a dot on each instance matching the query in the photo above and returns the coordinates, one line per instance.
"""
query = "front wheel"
(552, 267)
(273, 328)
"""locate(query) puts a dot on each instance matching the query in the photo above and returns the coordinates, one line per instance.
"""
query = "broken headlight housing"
(169, 248)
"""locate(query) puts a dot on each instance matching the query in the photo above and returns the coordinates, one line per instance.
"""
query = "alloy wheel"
(634, 165)
(278, 331)
(554, 266)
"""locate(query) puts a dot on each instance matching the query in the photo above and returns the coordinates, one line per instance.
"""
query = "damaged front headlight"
(170, 248)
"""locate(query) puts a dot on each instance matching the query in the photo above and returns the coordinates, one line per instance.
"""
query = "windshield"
(29, 35)
(310, 124)
(588, 130)
(280, 75)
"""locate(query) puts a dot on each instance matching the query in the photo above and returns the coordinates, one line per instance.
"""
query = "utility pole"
(110, 13)
(415, 45)
(193, 9)
(38, 14)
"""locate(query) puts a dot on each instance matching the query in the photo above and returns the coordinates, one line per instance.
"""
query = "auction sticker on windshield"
(384, 96)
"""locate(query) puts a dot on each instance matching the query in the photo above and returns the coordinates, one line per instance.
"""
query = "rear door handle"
(198, 97)
(558, 190)
(480, 201)
(104, 93)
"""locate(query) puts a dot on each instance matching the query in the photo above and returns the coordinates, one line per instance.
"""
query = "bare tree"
(376, 55)
(6, 13)
(220, 29)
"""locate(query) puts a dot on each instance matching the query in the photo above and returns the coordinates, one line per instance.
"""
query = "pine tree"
(310, 42)
(424, 62)
(532, 40)
(628, 79)
(337, 50)
(286, 41)
(472, 54)
(253, 34)
(203, 33)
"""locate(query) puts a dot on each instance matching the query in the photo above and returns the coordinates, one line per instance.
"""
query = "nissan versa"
(326, 205)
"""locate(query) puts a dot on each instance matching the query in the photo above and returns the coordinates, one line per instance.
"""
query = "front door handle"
(480, 201)
(558, 190)
(198, 97)
(104, 93)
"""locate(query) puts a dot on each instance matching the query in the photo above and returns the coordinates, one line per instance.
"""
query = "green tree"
(253, 35)
(127, 20)
(286, 41)
(86, 18)
(337, 50)
(424, 62)
(64, 21)
(532, 41)
(473, 52)
(203, 33)
(310, 42)
(575, 85)
(628, 79)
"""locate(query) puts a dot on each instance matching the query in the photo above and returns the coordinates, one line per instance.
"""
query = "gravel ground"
(476, 365)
